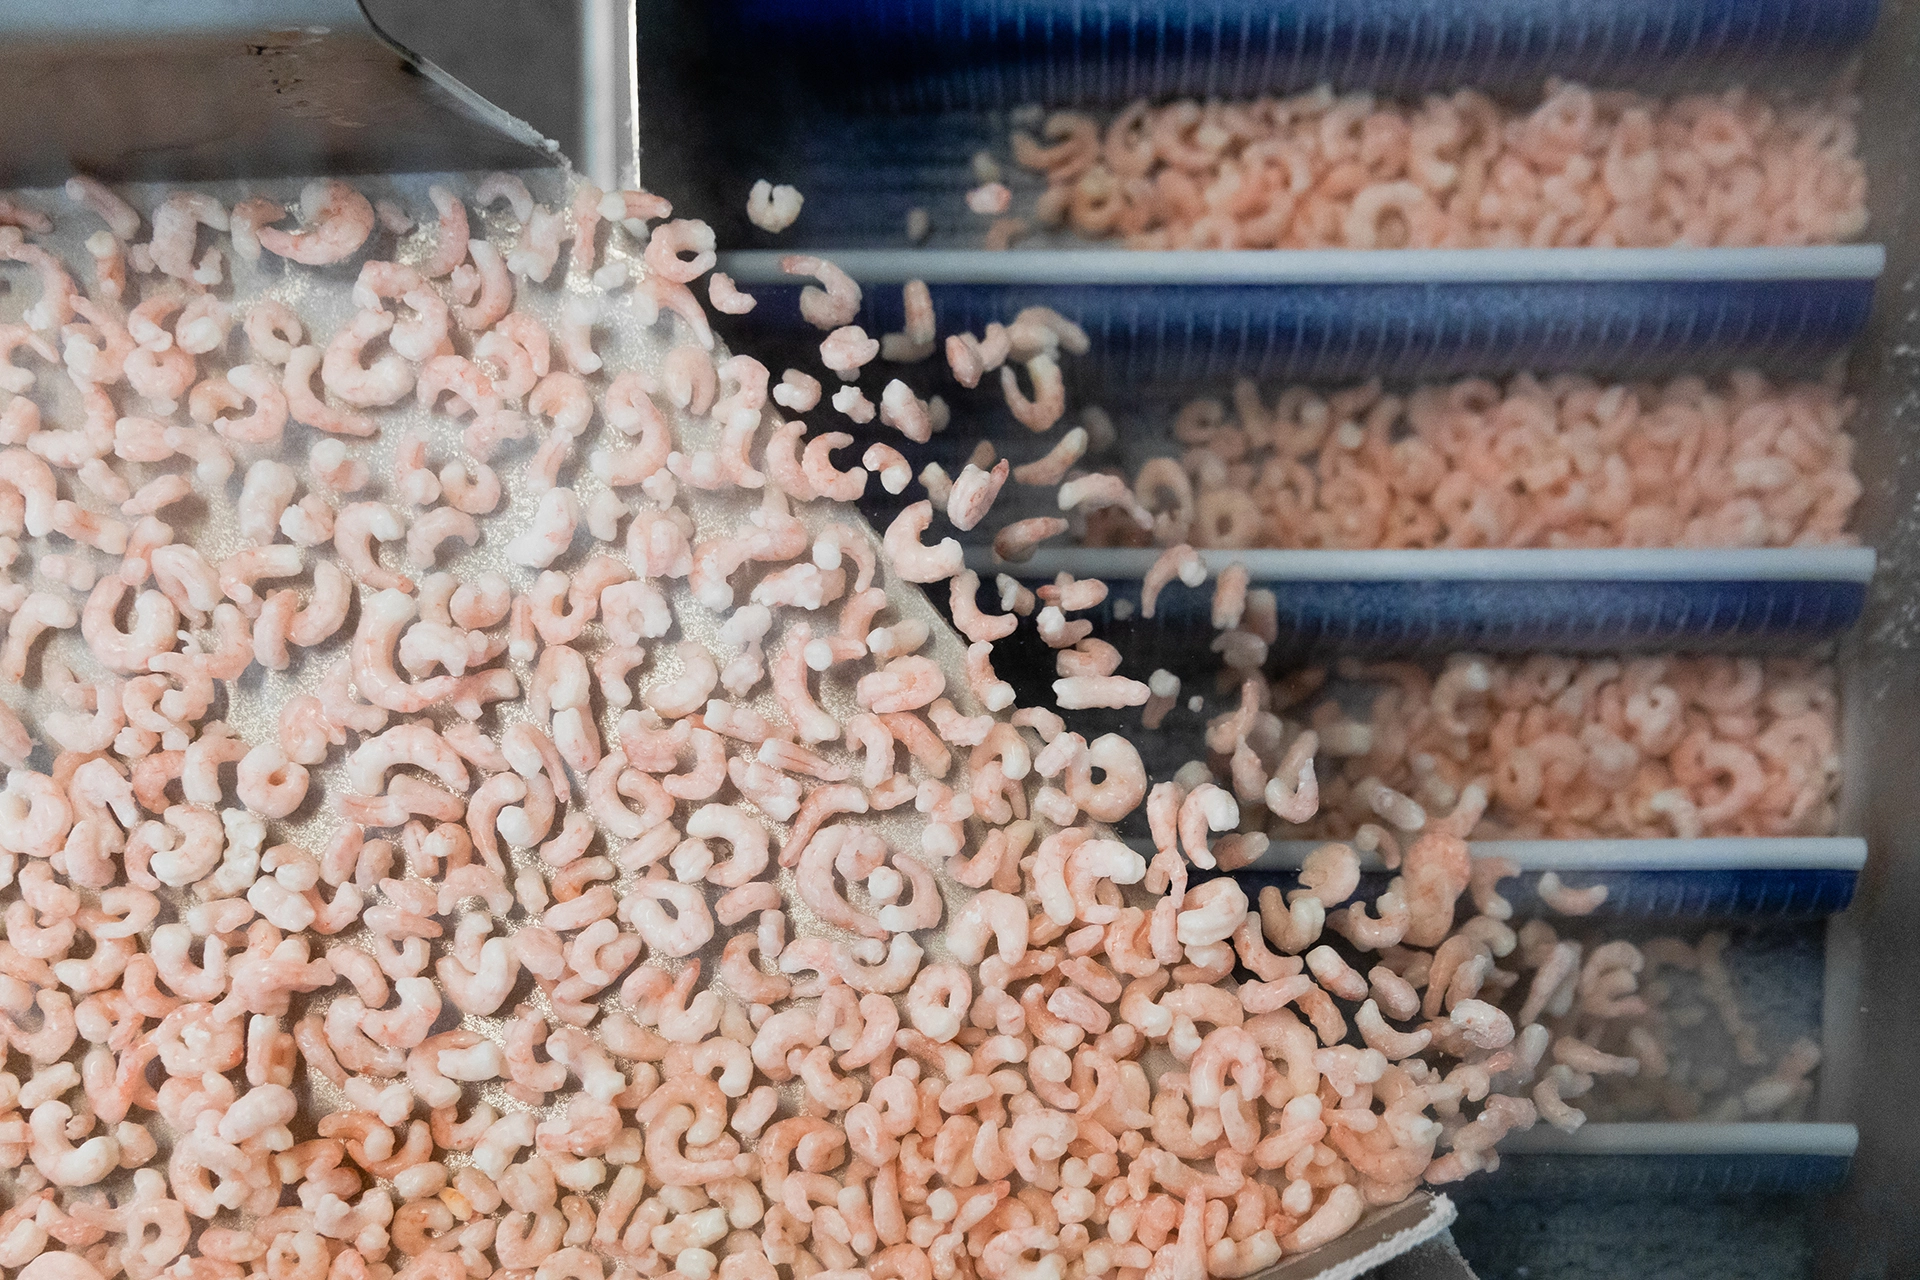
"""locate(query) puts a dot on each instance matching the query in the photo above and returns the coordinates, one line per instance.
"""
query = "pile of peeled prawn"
(1561, 748)
(1583, 168)
(475, 956)
(1564, 463)
(1692, 1016)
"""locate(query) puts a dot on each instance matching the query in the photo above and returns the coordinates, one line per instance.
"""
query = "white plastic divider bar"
(1739, 853)
(1323, 266)
(1742, 564)
(1683, 1138)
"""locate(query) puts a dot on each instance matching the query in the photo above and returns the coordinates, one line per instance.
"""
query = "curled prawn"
(910, 558)
(338, 220)
(824, 308)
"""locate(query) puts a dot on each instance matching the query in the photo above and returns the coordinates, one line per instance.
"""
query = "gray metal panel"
(1872, 1064)
(195, 89)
